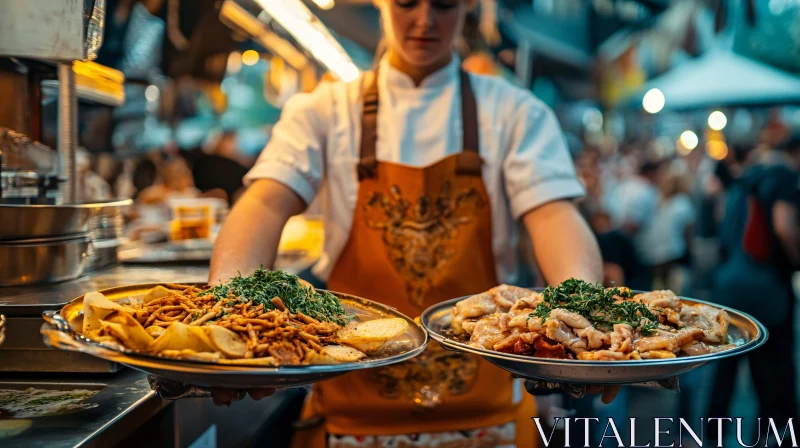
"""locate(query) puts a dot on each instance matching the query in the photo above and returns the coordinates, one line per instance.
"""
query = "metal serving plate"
(745, 331)
(60, 331)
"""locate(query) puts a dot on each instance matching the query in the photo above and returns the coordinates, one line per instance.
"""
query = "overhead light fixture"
(243, 21)
(325, 4)
(717, 120)
(653, 101)
(312, 35)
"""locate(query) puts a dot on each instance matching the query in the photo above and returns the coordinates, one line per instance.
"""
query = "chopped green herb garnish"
(264, 285)
(598, 305)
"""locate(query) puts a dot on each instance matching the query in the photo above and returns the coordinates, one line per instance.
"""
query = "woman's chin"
(424, 57)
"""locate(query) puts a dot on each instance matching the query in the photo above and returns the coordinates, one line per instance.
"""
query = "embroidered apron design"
(419, 236)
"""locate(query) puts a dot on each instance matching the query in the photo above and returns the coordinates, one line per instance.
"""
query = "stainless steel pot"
(18, 222)
(108, 222)
(104, 253)
(21, 222)
(43, 260)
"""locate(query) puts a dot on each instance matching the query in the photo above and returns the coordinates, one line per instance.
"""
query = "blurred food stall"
(124, 175)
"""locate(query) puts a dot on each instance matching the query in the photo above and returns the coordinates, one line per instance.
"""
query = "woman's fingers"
(223, 397)
(257, 394)
(594, 390)
(609, 393)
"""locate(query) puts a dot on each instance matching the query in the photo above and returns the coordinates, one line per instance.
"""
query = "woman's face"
(423, 32)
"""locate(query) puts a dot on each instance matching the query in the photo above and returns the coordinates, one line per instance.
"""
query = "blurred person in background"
(91, 186)
(158, 180)
(664, 241)
(109, 168)
(621, 264)
(760, 239)
(124, 187)
(416, 145)
(588, 169)
(633, 200)
(712, 179)
(220, 168)
(173, 181)
(705, 244)
(732, 167)
(144, 174)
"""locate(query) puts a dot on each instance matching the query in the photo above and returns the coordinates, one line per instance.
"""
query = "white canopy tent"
(722, 78)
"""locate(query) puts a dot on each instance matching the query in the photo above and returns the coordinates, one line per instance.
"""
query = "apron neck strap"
(469, 161)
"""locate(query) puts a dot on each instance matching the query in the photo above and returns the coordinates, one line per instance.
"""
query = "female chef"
(423, 171)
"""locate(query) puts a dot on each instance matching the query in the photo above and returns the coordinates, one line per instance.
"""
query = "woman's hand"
(226, 397)
(608, 392)
(174, 390)
(251, 233)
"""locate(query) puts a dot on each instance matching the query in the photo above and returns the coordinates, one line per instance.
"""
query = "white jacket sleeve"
(538, 167)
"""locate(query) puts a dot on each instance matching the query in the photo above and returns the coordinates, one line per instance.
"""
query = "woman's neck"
(415, 72)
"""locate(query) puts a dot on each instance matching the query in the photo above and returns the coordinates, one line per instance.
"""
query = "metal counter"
(123, 404)
(128, 414)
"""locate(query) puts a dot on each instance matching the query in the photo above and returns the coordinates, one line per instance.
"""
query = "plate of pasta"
(270, 329)
(577, 332)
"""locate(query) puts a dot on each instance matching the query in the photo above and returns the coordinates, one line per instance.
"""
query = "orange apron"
(419, 236)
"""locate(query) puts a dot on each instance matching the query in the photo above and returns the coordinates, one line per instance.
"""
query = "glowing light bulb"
(689, 140)
(250, 57)
(717, 120)
(653, 101)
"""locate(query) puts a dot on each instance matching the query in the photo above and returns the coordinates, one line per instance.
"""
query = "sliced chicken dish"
(578, 320)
